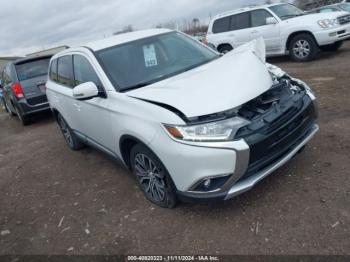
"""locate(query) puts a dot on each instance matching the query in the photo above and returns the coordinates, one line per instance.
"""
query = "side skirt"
(96, 145)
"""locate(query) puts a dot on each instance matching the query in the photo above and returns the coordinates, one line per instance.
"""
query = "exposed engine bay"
(271, 108)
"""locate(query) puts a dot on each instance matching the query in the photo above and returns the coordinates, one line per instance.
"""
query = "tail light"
(205, 41)
(17, 90)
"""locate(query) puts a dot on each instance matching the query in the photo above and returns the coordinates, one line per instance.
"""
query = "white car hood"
(220, 85)
(314, 18)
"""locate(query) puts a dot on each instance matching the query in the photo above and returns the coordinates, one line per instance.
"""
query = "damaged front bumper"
(261, 152)
(249, 183)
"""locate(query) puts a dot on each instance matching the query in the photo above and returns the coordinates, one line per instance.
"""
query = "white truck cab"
(285, 29)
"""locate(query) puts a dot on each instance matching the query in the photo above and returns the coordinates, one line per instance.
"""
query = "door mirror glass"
(271, 21)
(85, 91)
(0, 83)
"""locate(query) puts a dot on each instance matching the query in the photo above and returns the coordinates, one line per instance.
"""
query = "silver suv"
(190, 123)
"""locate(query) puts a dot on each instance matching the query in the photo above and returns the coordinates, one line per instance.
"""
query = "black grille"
(344, 19)
(37, 100)
(267, 148)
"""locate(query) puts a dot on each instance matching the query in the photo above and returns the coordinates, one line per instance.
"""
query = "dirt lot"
(55, 201)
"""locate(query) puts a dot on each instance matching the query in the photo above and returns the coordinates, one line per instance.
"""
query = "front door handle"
(255, 32)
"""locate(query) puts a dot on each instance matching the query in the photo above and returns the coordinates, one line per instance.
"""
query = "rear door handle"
(77, 106)
(255, 32)
(55, 98)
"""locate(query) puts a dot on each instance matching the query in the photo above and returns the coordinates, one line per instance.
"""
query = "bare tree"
(126, 29)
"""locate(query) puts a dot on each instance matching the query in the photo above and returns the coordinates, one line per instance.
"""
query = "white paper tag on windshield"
(150, 56)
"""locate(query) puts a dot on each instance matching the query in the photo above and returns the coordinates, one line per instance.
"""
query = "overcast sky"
(28, 26)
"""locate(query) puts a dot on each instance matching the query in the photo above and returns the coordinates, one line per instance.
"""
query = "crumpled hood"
(220, 85)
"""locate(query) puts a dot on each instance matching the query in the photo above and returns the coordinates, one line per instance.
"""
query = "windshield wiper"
(290, 16)
(143, 84)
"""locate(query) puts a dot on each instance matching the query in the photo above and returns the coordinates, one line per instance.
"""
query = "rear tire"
(7, 108)
(333, 47)
(303, 48)
(152, 176)
(225, 48)
(71, 139)
(25, 120)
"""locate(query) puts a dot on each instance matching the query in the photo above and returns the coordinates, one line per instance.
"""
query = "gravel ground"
(55, 201)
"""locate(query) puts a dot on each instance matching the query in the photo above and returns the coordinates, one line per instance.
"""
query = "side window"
(259, 17)
(84, 72)
(328, 10)
(53, 71)
(65, 71)
(240, 21)
(7, 75)
(221, 25)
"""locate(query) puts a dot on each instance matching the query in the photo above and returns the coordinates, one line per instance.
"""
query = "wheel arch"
(55, 113)
(224, 44)
(126, 143)
(292, 35)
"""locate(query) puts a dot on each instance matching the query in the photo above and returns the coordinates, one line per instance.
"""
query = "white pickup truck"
(285, 29)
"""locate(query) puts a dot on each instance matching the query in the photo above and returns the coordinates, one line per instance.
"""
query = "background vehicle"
(23, 86)
(331, 8)
(188, 122)
(285, 29)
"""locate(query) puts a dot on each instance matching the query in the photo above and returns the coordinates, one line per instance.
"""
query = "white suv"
(189, 123)
(285, 29)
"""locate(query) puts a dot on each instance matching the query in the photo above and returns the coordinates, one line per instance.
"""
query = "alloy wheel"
(150, 177)
(302, 49)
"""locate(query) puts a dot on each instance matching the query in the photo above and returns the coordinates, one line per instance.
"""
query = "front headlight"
(328, 23)
(214, 131)
(308, 89)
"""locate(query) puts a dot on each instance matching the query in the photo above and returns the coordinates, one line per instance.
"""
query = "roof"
(124, 38)
(10, 58)
(29, 59)
(47, 51)
(245, 9)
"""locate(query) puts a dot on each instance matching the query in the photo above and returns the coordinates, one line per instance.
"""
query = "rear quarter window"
(221, 25)
(7, 75)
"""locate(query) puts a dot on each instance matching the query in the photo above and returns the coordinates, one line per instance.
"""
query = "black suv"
(23, 84)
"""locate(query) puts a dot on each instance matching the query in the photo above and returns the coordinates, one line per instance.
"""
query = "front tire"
(69, 136)
(152, 177)
(303, 48)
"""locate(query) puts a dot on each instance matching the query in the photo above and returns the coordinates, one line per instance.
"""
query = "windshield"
(32, 69)
(345, 7)
(148, 60)
(286, 11)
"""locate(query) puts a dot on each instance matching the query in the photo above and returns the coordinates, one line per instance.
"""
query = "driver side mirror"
(1, 83)
(271, 21)
(85, 91)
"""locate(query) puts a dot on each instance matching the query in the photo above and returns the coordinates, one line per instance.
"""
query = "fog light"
(207, 183)
(333, 34)
(210, 184)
